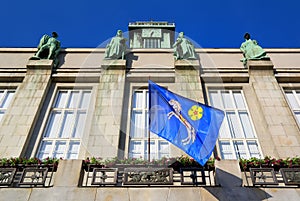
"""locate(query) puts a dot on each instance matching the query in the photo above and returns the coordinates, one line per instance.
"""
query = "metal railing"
(27, 176)
(139, 175)
(270, 177)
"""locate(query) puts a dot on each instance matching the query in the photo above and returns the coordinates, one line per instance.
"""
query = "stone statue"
(117, 47)
(251, 50)
(48, 48)
(183, 48)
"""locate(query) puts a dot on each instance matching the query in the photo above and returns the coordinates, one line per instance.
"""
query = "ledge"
(113, 64)
(265, 64)
(186, 64)
(46, 64)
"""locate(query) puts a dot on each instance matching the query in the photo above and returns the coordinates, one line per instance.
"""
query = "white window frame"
(155, 140)
(297, 99)
(67, 140)
(230, 131)
(3, 100)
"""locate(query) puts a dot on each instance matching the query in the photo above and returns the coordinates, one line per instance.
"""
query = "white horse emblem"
(190, 129)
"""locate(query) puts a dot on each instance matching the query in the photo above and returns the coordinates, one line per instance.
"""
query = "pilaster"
(20, 118)
(278, 133)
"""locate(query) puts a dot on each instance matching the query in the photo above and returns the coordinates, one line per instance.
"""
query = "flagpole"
(149, 101)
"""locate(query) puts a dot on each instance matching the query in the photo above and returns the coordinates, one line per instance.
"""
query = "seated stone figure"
(48, 48)
(251, 50)
(183, 48)
(117, 47)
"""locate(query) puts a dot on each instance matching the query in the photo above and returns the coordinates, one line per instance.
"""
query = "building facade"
(89, 106)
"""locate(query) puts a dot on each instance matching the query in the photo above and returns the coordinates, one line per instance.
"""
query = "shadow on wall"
(232, 189)
(61, 59)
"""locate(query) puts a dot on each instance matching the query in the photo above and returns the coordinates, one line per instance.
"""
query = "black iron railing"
(27, 175)
(145, 175)
(271, 177)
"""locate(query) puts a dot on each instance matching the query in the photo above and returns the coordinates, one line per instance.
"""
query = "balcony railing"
(271, 172)
(145, 175)
(21, 175)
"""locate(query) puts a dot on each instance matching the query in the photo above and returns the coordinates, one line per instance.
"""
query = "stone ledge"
(265, 64)
(40, 64)
(186, 64)
(113, 64)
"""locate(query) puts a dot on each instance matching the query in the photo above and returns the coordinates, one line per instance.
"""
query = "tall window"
(6, 96)
(237, 137)
(65, 124)
(138, 147)
(293, 97)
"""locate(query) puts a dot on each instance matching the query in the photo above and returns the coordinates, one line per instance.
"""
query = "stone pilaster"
(20, 118)
(104, 136)
(278, 131)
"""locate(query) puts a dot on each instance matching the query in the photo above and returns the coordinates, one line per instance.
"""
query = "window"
(151, 43)
(138, 146)
(237, 137)
(293, 97)
(6, 96)
(65, 124)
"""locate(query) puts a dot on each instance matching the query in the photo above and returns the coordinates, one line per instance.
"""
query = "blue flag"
(189, 125)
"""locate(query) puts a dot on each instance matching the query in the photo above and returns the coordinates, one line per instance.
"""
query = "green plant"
(185, 161)
(13, 161)
(268, 161)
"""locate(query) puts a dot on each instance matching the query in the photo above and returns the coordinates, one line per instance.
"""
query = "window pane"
(73, 150)
(7, 99)
(224, 130)
(253, 149)
(225, 150)
(86, 96)
(234, 126)
(246, 125)
(138, 99)
(53, 125)
(45, 150)
(74, 99)
(79, 126)
(59, 150)
(67, 125)
(297, 113)
(137, 125)
(147, 100)
(61, 99)
(163, 149)
(216, 100)
(136, 149)
(292, 99)
(227, 99)
(238, 99)
(153, 150)
(240, 149)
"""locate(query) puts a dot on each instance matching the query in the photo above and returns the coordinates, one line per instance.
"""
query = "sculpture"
(48, 48)
(183, 48)
(117, 47)
(251, 50)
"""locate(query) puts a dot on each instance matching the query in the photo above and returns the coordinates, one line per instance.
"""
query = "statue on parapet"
(184, 49)
(48, 48)
(117, 47)
(251, 50)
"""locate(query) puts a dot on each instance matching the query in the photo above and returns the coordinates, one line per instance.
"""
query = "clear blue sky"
(210, 23)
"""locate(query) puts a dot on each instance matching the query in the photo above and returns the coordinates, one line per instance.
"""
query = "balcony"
(168, 173)
(18, 172)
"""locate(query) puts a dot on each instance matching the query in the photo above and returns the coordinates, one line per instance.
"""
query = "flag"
(189, 125)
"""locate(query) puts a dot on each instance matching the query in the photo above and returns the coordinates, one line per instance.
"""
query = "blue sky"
(210, 23)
